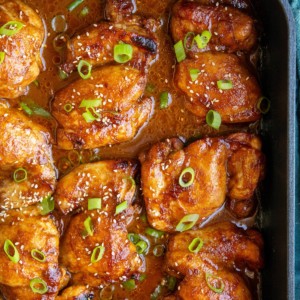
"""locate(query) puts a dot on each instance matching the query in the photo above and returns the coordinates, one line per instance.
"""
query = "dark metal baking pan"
(278, 199)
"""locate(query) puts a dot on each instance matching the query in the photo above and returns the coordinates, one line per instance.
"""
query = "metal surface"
(278, 199)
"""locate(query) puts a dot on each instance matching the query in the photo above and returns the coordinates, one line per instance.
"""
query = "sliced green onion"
(195, 245)
(142, 277)
(2, 57)
(120, 207)
(38, 255)
(164, 100)
(64, 165)
(90, 103)
(97, 254)
(186, 40)
(74, 4)
(215, 283)
(38, 286)
(94, 203)
(144, 218)
(203, 39)
(36, 83)
(68, 107)
(88, 226)
(190, 172)
(89, 117)
(194, 73)
(84, 12)
(129, 284)
(179, 51)
(224, 84)
(20, 175)
(62, 75)
(74, 157)
(134, 237)
(264, 105)
(141, 247)
(123, 53)
(213, 119)
(59, 23)
(187, 222)
(80, 68)
(39, 111)
(26, 108)
(9, 247)
(47, 205)
(11, 28)
(131, 180)
(171, 283)
(153, 232)
(150, 88)
(159, 250)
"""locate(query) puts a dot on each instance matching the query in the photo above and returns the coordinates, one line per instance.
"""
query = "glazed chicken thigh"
(29, 256)
(27, 173)
(22, 35)
(231, 29)
(111, 182)
(210, 269)
(178, 181)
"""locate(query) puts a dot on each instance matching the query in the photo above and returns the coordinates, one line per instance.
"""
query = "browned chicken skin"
(28, 230)
(116, 10)
(22, 61)
(167, 202)
(78, 292)
(225, 247)
(120, 114)
(231, 29)
(24, 144)
(235, 105)
(112, 182)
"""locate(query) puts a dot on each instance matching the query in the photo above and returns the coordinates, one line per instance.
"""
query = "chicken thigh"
(29, 257)
(113, 104)
(178, 181)
(231, 29)
(22, 35)
(235, 105)
(103, 252)
(27, 172)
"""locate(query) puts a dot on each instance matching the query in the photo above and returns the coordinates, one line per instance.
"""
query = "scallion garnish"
(189, 39)
(121, 207)
(88, 226)
(68, 107)
(74, 4)
(90, 103)
(38, 286)
(213, 119)
(97, 254)
(74, 157)
(47, 205)
(129, 284)
(187, 172)
(195, 245)
(203, 39)
(26, 108)
(20, 175)
(224, 84)
(179, 51)
(142, 277)
(164, 100)
(89, 117)
(9, 248)
(2, 57)
(11, 28)
(62, 75)
(81, 69)
(153, 232)
(159, 250)
(134, 237)
(84, 12)
(171, 283)
(156, 293)
(215, 283)
(187, 222)
(38, 255)
(141, 247)
(123, 53)
(194, 73)
(264, 105)
(94, 203)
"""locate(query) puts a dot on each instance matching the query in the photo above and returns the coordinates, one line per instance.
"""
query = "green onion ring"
(8, 244)
(187, 222)
(263, 105)
(38, 255)
(179, 51)
(195, 245)
(213, 119)
(20, 175)
(38, 286)
(11, 28)
(94, 203)
(97, 254)
(123, 53)
(190, 171)
(218, 290)
(83, 63)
